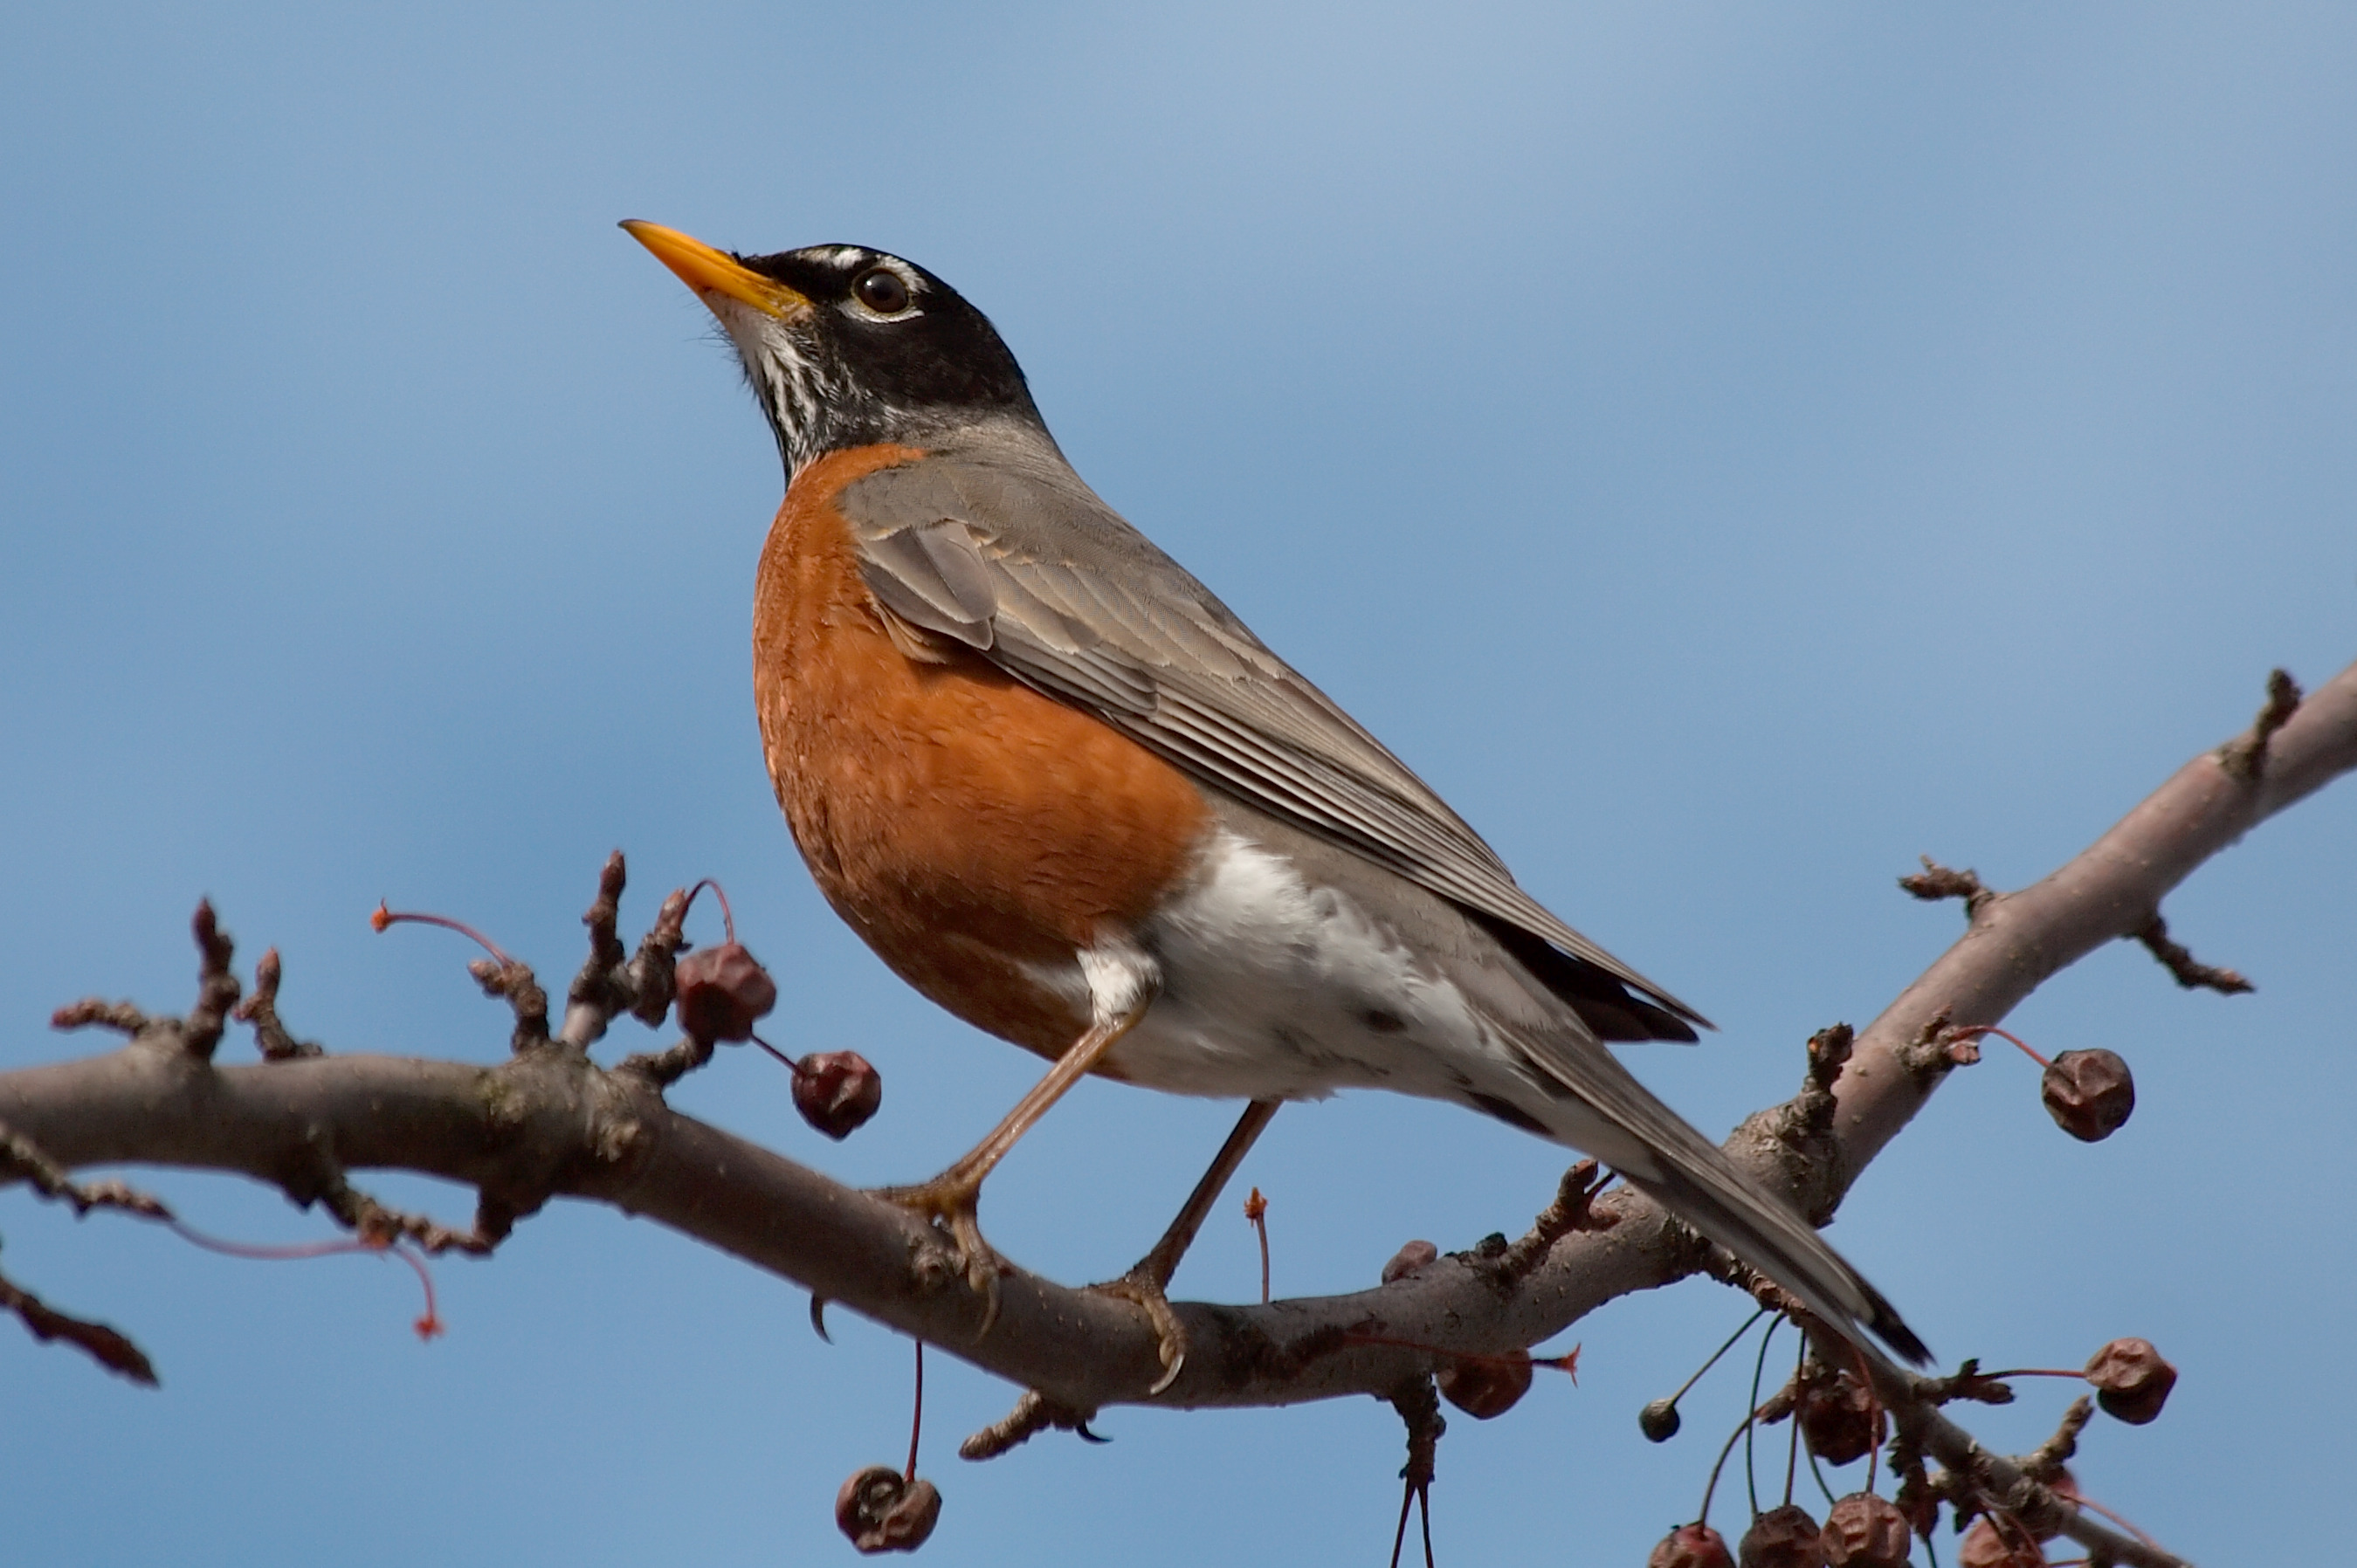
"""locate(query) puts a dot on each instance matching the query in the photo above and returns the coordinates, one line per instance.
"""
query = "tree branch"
(550, 1122)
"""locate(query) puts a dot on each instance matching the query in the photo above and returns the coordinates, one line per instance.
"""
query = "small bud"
(1487, 1386)
(878, 1509)
(837, 1091)
(722, 992)
(1659, 1421)
(1782, 1538)
(1841, 1420)
(1690, 1546)
(2088, 1093)
(2132, 1382)
(1986, 1546)
(1863, 1530)
(1409, 1259)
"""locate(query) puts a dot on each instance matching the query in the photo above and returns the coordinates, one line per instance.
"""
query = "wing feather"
(1020, 560)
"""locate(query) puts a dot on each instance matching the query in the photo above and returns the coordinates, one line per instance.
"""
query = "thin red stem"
(727, 919)
(1977, 1030)
(384, 918)
(1793, 1454)
(427, 1326)
(2087, 1502)
(1256, 1211)
(917, 1420)
(791, 1065)
(1873, 1419)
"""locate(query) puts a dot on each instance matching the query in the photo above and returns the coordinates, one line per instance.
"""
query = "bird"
(1065, 792)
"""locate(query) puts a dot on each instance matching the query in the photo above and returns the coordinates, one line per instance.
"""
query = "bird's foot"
(951, 1202)
(1142, 1286)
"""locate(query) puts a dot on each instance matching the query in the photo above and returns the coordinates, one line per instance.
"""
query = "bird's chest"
(971, 830)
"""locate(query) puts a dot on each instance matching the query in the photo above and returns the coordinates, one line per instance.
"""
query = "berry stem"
(791, 1065)
(917, 1419)
(1977, 1030)
(427, 1326)
(1256, 1211)
(1714, 1356)
(384, 919)
(1758, 1368)
(727, 918)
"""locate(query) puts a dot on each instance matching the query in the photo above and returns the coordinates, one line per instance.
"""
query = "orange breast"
(962, 824)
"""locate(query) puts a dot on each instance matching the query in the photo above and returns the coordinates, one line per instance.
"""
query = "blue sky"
(1729, 450)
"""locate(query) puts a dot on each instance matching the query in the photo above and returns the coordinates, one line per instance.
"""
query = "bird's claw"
(1140, 1288)
(950, 1202)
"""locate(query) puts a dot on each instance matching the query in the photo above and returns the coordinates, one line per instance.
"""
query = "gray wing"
(1018, 559)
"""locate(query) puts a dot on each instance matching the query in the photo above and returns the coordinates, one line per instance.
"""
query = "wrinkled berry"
(1659, 1421)
(1690, 1546)
(1986, 1546)
(2088, 1093)
(1863, 1530)
(1841, 1420)
(1782, 1538)
(1488, 1387)
(2132, 1382)
(837, 1091)
(722, 992)
(880, 1509)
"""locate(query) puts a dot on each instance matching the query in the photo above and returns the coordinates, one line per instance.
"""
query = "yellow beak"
(709, 272)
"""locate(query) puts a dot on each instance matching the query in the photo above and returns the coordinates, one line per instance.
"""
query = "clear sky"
(1729, 450)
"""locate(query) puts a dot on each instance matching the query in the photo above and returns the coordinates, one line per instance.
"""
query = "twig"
(261, 1011)
(1033, 1414)
(1573, 1209)
(1936, 882)
(2184, 968)
(102, 1344)
(2245, 757)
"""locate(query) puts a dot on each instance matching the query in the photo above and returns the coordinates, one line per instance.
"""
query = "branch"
(550, 1122)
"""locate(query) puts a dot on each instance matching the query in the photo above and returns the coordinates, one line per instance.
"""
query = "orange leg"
(954, 1198)
(1149, 1277)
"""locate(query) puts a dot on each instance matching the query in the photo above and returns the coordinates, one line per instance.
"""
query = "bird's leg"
(1149, 1278)
(953, 1198)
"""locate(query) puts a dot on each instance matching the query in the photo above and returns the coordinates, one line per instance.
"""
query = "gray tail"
(1592, 1102)
(1785, 1250)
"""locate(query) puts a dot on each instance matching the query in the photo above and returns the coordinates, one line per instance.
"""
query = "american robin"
(1063, 791)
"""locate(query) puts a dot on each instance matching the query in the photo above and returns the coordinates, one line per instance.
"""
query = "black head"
(847, 346)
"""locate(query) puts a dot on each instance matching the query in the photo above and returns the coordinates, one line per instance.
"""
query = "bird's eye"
(881, 290)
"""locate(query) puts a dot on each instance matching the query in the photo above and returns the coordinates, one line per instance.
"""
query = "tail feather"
(1786, 1251)
(1596, 1104)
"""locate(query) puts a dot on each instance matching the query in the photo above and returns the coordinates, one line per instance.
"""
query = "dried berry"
(1782, 1538)
(1659, 1421)
(1409, 1259)
(1690, 1546)
(723, 993)
(2132, 1382)
(1486, 1386)
(837, 1091)
(1863, 1530)
(1840, 1419)
(880, 1509)
(1986, 1546)
(2088, 1093)
(1919, 1502)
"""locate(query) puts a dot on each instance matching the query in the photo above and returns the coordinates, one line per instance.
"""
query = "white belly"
(1270, 989)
